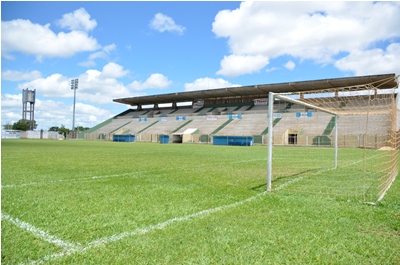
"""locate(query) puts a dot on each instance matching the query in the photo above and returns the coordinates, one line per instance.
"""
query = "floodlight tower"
(28, 96)
(74, 86)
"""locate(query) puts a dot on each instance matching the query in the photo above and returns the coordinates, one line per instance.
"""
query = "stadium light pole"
(74, 86)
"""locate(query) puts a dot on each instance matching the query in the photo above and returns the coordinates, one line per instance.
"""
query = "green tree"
(81, 128)
(63, 130)
(54, 129)
(23, 125)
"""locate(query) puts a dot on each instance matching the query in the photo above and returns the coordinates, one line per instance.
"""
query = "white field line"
(70, 249)
(114, 175)
(139, 231)
(70, 180)
(319, 172)
(40, 233)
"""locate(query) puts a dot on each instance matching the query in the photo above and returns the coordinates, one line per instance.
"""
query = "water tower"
(28, 96)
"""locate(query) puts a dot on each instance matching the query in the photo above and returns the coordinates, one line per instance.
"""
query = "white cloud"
(113, 70)
(11, 75)
(103, 54)
(78, 20)
(234, 65)
(162, 23)
(290, 65)
(11, 101)
(268, 70)
(33, 39)
(317, 31)
(94, 86)
(208, 83)
(374, 61)
(50, 113)
(155, 81)
(54, 85)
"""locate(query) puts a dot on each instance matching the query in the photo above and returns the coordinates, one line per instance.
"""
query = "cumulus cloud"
(11, 75)
(290, 65)
(208, 83)
(78, 20)
(113, 70)
(50, 113)
(368, 62)
(55, 85)
(11, 108)
(162, 23)
(103, 54)
(234, 65)
(94, 86)
(317, 31)
(155, 81)
(23, 36)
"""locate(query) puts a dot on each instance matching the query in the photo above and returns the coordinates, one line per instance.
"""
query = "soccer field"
(95, 202)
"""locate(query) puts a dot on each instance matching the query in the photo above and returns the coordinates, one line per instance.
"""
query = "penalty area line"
(127, 174)
(40, 233)
(140, 231)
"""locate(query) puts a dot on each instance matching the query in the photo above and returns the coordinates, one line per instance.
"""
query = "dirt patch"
(387, 148)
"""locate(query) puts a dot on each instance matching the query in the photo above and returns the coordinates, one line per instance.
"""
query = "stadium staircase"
(180, 127)
(147, 127)
(198, 110)
(222, 126)
(324, 139)
(124, 113)
(116, 129)
(275, 122)
(98, 126)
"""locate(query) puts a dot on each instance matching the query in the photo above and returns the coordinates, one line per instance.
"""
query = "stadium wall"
(41, 135)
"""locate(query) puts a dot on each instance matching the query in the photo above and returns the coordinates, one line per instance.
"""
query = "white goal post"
(272, 96)
(359, 158)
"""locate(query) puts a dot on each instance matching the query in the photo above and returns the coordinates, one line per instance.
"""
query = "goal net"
(341, 143)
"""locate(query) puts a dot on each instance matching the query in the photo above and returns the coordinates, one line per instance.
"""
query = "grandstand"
(243, 111)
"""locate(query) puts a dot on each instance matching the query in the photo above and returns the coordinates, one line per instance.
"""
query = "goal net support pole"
(271, 98)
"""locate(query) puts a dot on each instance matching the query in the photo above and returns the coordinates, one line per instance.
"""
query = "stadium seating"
(212, 120)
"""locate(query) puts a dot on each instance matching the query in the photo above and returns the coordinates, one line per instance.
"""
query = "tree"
(7, 126)
(23, 125)
(54, 129)
(81, 128)
(63, 130)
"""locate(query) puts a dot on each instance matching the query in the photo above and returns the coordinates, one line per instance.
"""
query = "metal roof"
(380, 81)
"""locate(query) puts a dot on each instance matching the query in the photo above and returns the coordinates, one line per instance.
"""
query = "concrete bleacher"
(309, 125)
(254, 120)
(359, 124)
(131, 114)
(183, 111)
(164, 127)
(114, 125)
(249, 125)
(205, 126)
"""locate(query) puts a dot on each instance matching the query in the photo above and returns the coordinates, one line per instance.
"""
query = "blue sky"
(125, 49)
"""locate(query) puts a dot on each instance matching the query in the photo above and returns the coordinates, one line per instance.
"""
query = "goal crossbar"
(295, 101)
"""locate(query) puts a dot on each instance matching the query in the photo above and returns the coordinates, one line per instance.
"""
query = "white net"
(304, 140)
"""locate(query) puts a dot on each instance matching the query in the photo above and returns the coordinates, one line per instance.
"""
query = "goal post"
(341, 142)
(272, 97)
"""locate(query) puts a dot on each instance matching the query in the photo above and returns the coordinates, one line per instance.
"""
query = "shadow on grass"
(257, 188)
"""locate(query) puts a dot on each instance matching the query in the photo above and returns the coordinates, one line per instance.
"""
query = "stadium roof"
(384, 81)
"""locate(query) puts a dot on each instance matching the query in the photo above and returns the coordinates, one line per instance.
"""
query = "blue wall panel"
(233, 140)
(164, 139)
(124, 138)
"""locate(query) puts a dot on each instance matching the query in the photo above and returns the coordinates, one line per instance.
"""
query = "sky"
(127, 49)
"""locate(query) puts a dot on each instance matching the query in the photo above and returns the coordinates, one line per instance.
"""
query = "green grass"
(147, 203)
